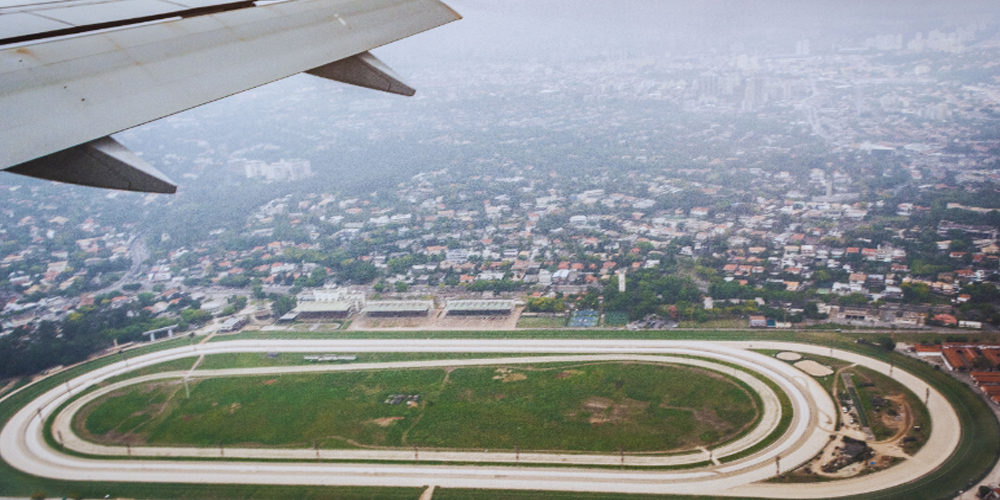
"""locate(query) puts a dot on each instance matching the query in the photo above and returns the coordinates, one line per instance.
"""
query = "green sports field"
(601, 407)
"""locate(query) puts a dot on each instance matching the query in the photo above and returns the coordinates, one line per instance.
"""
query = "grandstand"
(398, 308)
(479, 307)
(338, 309)
(329, 303)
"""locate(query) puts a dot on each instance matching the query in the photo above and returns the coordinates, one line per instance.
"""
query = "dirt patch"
(788, 356)
(384, 422)
(507, 375)
(623, 411)
(813, 368)
(447, 375)
(902, 422)
(233, 407)
(269, 382)
(605, 410)
(708, 417)
(597, 403)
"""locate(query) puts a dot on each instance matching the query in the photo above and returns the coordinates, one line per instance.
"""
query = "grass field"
(594, 407)
(717, 323)
(541, 322)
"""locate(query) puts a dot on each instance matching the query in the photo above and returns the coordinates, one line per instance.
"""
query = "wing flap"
(103, 163)
(364, 70)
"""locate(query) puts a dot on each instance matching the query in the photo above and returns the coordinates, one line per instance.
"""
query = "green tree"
(855, 299)
(146, 299)
(195, 316)
(281, 304)
(239, 302)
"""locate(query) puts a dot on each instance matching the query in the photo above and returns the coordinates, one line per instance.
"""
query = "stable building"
(398, 308)
(479, 307)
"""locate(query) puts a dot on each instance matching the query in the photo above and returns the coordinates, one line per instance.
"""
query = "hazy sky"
(530, 29)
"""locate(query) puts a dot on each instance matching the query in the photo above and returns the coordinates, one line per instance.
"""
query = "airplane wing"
(73, 72)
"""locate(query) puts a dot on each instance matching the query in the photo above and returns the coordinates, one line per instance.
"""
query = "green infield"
(600, 407)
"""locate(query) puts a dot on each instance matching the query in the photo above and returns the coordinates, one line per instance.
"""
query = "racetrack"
(23, 446)
(771, 416)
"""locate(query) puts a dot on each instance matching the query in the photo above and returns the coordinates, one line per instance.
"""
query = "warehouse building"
(479, 307)
(398, 308)
(324, 309)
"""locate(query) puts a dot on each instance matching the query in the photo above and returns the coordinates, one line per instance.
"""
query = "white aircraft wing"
(73, 72)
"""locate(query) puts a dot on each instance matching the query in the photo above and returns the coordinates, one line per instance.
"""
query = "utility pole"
(415, 455)
(316, 446)
(222, 452)
(517, 454)
(621, 451)
(777, 463)
(927, 396)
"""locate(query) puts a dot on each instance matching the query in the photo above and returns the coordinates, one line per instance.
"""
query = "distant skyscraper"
(754, 94)
(708, 85)
(802, 47)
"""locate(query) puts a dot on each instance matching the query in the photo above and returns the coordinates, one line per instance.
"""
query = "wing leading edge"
(63, 97)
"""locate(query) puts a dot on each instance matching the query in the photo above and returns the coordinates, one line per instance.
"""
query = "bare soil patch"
(605, 410)
(507, 375)
(813, 368)
(384, 422)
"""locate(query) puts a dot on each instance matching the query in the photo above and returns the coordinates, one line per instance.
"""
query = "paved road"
(22, 446)
(139, 254)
